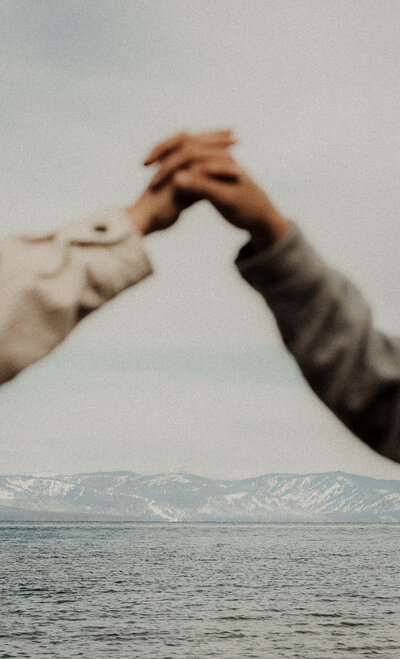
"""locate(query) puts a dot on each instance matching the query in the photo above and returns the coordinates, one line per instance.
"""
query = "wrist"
(269, 231)
(141, 215)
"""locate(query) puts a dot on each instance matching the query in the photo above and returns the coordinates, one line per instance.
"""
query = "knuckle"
(175, 178)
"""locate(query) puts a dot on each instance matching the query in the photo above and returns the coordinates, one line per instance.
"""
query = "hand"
(158, 209)
(209, 172)
(162, 202)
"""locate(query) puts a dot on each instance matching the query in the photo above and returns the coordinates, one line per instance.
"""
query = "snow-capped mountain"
(182, 497)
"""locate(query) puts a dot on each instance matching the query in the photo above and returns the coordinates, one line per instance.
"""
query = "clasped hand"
(196, 167)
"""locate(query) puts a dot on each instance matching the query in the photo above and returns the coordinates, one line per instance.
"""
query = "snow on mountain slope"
(182, 497)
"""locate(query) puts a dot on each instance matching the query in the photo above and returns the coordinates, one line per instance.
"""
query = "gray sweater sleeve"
(326, 324)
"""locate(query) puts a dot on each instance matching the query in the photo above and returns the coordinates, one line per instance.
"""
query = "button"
(106, 228)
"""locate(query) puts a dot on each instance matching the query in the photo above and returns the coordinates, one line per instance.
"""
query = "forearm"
(326, 324)
(49, 282)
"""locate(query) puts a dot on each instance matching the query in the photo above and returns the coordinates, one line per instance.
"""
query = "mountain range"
(183, 497)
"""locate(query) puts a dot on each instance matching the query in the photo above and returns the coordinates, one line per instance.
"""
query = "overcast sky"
(187, 370)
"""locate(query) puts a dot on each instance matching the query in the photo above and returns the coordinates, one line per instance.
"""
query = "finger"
(162, 151)
(165, 147)
(222, 170)
(175, 161)
(214, 134)
(202, 186)
(215, 138)
(170, 145)
(185, 157)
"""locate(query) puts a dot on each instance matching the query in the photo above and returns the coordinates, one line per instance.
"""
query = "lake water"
(124, 590)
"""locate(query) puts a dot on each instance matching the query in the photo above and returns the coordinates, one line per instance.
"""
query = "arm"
(323, 318)
(326, 324)
(49, 282)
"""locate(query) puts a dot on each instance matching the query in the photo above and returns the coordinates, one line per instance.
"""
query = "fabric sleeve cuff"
(291, 261)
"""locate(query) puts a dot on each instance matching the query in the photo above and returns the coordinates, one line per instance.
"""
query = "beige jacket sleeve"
(49, 282)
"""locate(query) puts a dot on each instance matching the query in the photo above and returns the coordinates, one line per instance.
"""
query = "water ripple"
(196, 591)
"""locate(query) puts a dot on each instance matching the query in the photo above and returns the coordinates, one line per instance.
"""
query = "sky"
(186, 371)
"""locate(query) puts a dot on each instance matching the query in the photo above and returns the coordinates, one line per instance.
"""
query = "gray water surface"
(124, 590)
